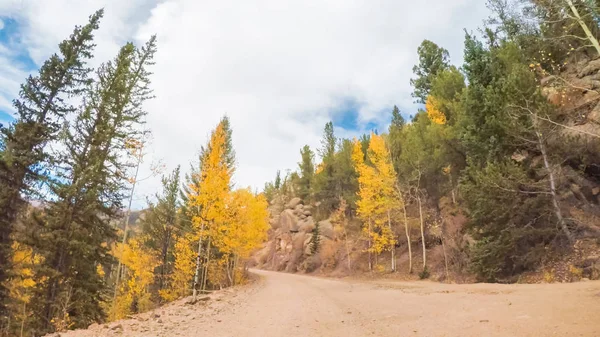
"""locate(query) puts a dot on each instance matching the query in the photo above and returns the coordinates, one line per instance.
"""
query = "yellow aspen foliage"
(21, 286)
(433, 111)
(183, 271)
(320, 167)
(249, 220)
(211, 193)
(377, 194)
(134, 294)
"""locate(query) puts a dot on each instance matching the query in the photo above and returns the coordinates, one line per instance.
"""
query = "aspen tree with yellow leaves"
(21, 287)
(209, 196)
(180, 281)
(249, 222)
(377, 195)
(134, 294)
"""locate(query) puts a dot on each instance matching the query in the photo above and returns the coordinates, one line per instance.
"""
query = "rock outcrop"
(290, 237)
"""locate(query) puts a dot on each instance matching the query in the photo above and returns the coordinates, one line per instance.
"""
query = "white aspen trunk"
(422, 230)
(393, 244)
(452, 189)
(207, 263)
(24, 317)
(586, 29)
(369, 250)
(407, 239)
(552, 183)
(120, 265)
(198, 262)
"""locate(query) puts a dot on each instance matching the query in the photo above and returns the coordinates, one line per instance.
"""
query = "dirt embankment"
(291, 305)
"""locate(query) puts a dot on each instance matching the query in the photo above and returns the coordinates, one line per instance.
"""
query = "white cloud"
(1, 24)
(276, 68)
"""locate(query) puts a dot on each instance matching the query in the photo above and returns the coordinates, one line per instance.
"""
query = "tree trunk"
(206, 267)
(369, 250)
(120, 265)
(165, 255)
(445, 259)
(406, 231)
(586, 29)
(24, 317)
(452, 189)
(347, 247)
(552, 183)
(408, 242)
(198, 262)
(393, 244)
(422, 230)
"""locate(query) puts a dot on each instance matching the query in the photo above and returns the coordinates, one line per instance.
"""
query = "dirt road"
(292, 305)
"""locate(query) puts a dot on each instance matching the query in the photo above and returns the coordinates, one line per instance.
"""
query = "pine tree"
(327, 189)
(41, 108)
(315, 240)
(345, 177)
(89, 189)
(159, 226)
(277, 184)
(397, 119)
(432, 60)
(307, 171)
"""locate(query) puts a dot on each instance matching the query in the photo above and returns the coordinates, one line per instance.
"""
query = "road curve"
(294, 305)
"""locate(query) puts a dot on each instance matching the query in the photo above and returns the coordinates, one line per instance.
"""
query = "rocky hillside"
(292, 231)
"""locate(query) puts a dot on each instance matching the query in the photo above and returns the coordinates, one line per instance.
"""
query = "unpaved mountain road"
(287, 305)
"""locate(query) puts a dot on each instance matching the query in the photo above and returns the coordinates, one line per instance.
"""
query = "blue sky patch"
(346, 114)
(10, 38)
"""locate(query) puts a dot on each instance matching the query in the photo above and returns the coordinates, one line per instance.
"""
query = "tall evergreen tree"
(326, 187)
(40, 109)
(345, 177)
(277, 184)
(397, 119)
(159, 226)
(307, 171)
(432, 60)
(88, 191)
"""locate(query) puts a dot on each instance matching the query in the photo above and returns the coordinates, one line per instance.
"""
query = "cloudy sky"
(279, 69)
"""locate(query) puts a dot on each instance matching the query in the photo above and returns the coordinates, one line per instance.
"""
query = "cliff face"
(292, 231)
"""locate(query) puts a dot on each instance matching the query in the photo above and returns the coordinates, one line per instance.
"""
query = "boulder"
(307, 225)
(298, 241)
(274, 222)
(288, 221)
(306, 212)
(306, 245)
(293, 203)
(593, 115)
(326, 229)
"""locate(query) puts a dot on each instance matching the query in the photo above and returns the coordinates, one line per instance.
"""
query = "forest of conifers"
(511, 139)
